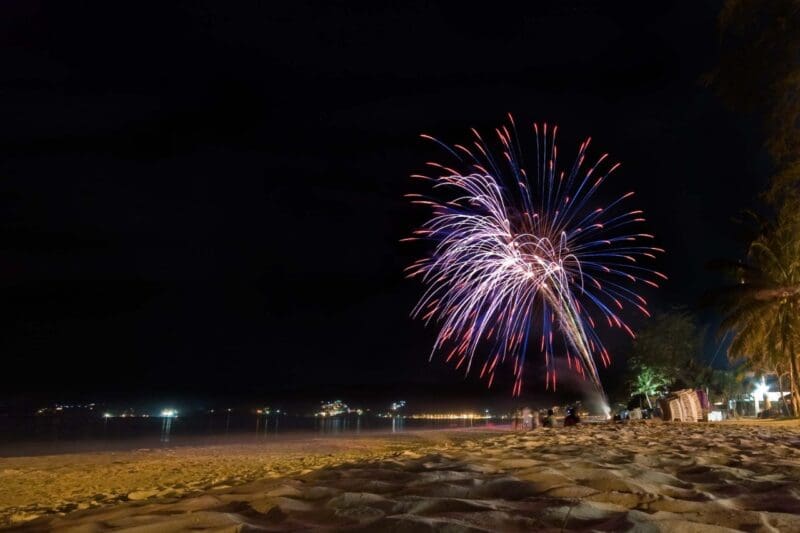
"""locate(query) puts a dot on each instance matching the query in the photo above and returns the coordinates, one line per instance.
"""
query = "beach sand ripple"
(645, 477)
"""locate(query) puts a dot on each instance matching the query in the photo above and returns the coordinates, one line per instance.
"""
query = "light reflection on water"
(26, 435)
(345, 424)
(166, 428)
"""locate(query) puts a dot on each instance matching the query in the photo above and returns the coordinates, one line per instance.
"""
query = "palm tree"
(648, 382)
(757, 73)
(761, 308)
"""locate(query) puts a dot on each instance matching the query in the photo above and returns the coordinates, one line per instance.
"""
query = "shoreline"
(736, 474)
(41, 448)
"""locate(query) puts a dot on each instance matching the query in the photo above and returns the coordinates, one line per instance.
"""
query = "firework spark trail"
(519, 264)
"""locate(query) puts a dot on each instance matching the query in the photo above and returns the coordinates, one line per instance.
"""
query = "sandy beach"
(620, 477)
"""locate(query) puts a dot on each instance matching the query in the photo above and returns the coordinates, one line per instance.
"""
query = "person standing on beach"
(550, 420)
(527, 419)
(572, 418)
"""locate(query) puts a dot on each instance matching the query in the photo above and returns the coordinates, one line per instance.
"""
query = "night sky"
(207, 198)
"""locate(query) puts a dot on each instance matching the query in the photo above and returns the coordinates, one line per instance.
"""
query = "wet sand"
(637, 477)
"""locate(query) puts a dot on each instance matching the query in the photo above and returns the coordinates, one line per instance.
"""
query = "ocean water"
(38, 435)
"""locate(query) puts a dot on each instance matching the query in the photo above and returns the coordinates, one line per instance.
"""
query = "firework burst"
(525, 263)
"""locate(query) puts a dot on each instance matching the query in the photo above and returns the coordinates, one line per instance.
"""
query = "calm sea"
(37, 435)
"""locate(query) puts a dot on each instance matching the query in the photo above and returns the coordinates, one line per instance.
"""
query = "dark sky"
(208, 196)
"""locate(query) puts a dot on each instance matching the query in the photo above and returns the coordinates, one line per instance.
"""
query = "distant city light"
(334, 408)
(450, 416)
(169, 413)
(396, 406)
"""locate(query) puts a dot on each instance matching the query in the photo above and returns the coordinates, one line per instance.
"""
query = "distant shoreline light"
(453, 416)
